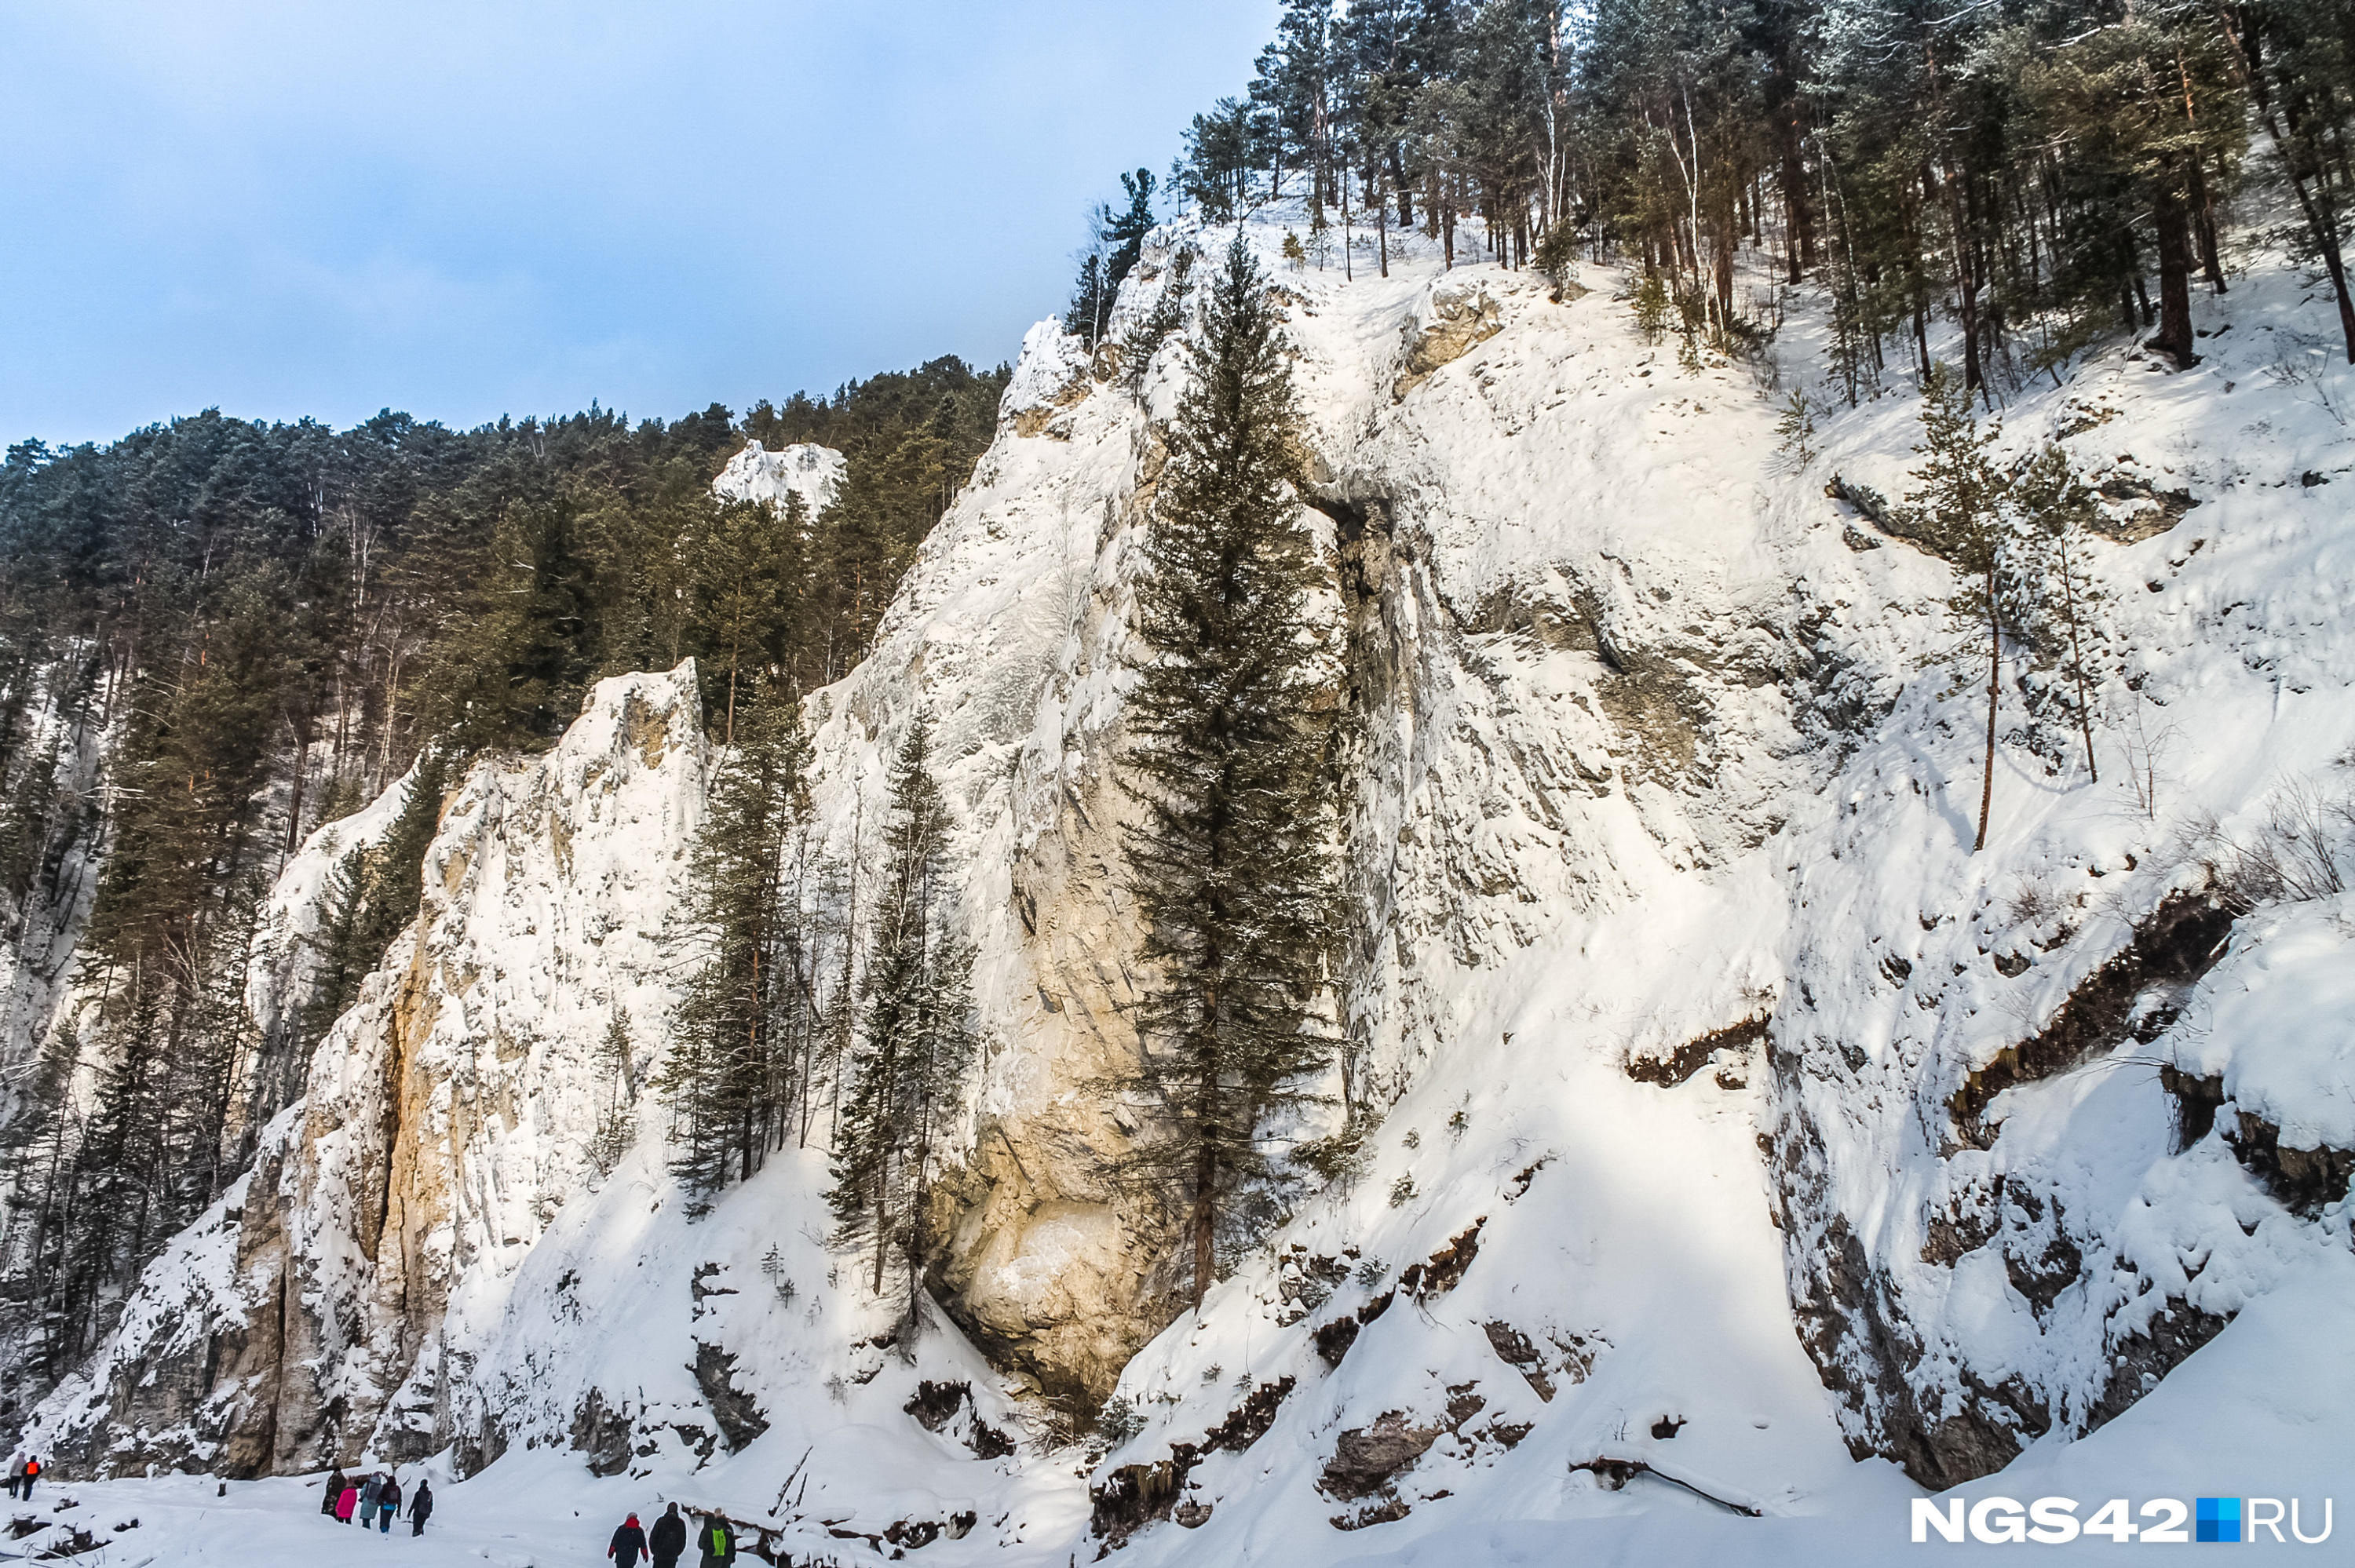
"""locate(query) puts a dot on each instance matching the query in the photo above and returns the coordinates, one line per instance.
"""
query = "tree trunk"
(2172, 220)
(1204, 1221)
(2321, 222)
(1995, 676)
(2077, 659)
(2203, 206)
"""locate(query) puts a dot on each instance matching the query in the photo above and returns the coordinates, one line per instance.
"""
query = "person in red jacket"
(347, 1504)
(629, 1543)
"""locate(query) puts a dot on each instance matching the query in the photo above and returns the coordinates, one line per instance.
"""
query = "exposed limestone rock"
(1457, 316)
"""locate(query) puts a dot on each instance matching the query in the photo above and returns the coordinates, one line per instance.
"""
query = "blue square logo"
(2215, 1519)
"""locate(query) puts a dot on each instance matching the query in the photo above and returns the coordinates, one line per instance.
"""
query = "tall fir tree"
(726, 1077)
(1232, 864)
(916, 1040)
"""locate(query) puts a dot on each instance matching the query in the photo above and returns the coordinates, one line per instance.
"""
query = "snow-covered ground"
(1673, 962)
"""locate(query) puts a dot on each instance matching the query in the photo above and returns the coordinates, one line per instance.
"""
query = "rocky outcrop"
(305, 1321)
(1457, 315)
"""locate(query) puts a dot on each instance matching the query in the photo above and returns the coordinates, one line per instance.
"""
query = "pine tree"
(722, 1076)
(1961, 501)
(1125, 230)
(1232, 866)
(908, 1066)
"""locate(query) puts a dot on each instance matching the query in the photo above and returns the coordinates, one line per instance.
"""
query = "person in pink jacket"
(346, 1504)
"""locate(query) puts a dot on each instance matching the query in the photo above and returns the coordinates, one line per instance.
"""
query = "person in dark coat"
(387, 1503)
(421, 1507)
(335, 1485)
(716, 1541)
(669, 1538)
(629, 1543)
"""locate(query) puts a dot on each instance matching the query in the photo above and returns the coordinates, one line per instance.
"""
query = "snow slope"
(1742, 1130)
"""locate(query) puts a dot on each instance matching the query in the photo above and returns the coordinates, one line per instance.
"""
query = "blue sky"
(465, 210)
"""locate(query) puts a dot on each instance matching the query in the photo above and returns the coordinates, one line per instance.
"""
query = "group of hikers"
(714, 1538)
(23, 1471)
(376, 1496)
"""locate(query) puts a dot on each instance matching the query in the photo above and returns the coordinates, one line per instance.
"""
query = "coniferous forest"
(2035, 175)
(240, 631)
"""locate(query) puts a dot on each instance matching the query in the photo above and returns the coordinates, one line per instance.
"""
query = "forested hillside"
(2037, 174)
(219, 634)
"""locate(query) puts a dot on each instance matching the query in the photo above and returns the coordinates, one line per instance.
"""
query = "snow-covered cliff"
(1742, 1123)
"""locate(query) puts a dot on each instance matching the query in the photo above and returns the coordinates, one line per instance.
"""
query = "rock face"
(447, 1118)
(807, 470)
(1706, 1067)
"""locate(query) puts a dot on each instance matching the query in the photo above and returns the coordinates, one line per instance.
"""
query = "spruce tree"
(908, 1066)
(723, 1075)
(1232, 863)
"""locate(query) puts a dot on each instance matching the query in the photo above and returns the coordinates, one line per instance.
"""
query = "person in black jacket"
(716, 1541)
(629, 1543)
(669, 1538)
(419, 1508)
(335, 1485)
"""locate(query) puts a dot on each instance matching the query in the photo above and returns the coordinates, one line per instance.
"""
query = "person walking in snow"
(32, 1474)
(15, 1474)
(334, 1492)
(669, 1538)
(629, 1543)
(387, 1503)
(421, 1507)
(348, 1504)
(368, 1489)
(718, 1546)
